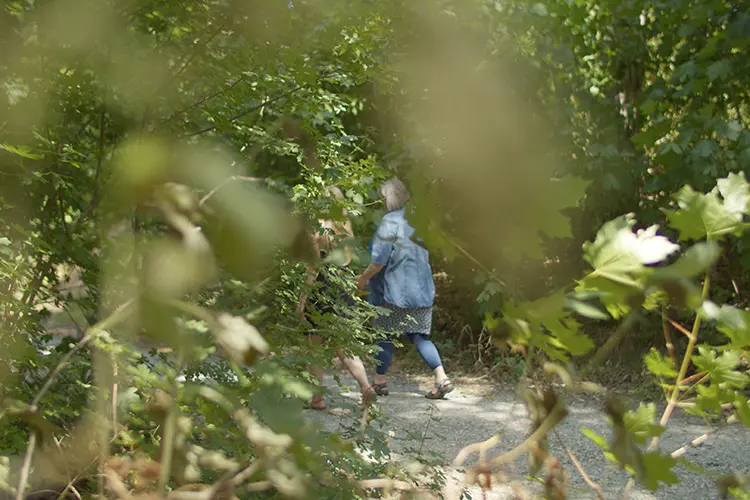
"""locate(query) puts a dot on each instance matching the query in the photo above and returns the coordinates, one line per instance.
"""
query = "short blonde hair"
(394, 194)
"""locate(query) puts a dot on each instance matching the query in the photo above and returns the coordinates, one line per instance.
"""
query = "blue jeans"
(425, 347)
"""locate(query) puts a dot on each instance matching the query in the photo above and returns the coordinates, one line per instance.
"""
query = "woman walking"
(324, 298)
(399, 278)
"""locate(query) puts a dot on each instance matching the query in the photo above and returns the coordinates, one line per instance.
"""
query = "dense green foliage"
(175, 156)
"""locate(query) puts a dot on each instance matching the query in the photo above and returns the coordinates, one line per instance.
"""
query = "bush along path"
(437, 432)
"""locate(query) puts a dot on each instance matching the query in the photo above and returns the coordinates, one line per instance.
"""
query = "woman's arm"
(368, 273)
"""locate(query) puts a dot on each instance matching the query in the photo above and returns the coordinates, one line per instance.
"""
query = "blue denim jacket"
(406, 279)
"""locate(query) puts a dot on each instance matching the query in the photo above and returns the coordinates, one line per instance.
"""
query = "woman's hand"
(362, 282)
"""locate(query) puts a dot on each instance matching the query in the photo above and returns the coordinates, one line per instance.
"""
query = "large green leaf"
(546, 324)
(658, 469)
(619, 257)
(712, 215)
(618, 252)
(732, 322)
(721, 367)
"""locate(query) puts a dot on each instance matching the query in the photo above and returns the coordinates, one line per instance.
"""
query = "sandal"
(380, 389)
(441, 389)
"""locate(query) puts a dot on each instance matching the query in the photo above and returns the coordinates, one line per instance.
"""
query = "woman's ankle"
(379, 379)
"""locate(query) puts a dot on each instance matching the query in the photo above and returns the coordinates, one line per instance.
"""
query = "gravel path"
(475, 411)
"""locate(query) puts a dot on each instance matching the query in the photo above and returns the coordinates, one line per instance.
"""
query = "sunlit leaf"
(241, 341)
(721, 367)
(640, 423)
(708, 215)
(660, 366)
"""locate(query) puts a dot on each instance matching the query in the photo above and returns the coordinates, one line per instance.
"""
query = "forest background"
(170, 156)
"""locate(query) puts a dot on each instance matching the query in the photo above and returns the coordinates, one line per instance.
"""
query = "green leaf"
(721, 368)
(707, 215)
(640, 423)
(619, 257)
(705, 148)
(660, 366)
(736, 193)
(617, 250)
(732, 322)
(657, 468)
(743, 409)
(597, 439)
(695, 260)
(21, 151)
(585, 309)
(718, 70)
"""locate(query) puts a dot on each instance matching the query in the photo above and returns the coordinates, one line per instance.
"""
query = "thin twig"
(692, 444)
(189, 60)
(675, 396)
(667, 335)
(590, 482)
(30, 447)
(117, 316)
(204, 100)
(680, 328)
(227, 181)
(252, 109)
(693, 340)
(553, 418)
(610, 344)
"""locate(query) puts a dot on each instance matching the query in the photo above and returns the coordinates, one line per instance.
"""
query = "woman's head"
(394, 193)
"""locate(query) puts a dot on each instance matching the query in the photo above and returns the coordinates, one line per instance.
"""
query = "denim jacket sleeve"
(407, 275)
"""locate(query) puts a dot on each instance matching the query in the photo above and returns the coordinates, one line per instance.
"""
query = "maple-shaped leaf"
(660, 366)
(720, 367)
(545, 323)
(714, 214)
(732, 322)
(617, 249)
(640, 423)
(657, 468)
(736, 193)
(619, 256)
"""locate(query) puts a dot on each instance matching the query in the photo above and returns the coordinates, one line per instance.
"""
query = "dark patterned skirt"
(400, 320)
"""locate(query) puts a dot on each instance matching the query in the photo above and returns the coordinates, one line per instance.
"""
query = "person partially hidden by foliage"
(326, 295)
(399, 278)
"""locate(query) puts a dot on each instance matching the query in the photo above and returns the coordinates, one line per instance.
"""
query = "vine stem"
(170, 427)
(675, 395)
(692, 341)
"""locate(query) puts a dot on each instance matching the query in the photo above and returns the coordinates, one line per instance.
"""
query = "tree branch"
(204, 100)
(252, 109)
(227, 181)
